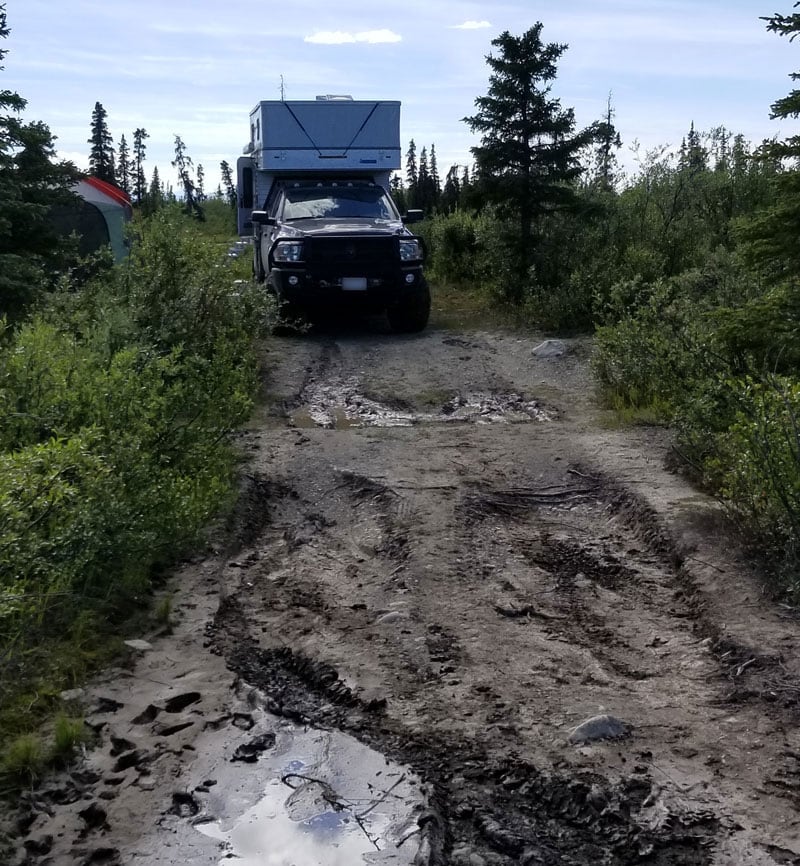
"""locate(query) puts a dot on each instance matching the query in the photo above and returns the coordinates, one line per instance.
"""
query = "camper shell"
(313, 188)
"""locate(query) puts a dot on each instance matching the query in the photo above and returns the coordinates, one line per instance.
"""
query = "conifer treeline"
(423, 187)
(124, 166)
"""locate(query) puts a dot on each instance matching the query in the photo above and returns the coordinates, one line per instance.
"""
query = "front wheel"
(290, 318)
(410, 314)
(258, 266)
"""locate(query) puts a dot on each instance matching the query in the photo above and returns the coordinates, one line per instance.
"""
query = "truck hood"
(306, 227)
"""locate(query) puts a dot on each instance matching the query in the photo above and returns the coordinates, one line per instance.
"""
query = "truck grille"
(351, 253)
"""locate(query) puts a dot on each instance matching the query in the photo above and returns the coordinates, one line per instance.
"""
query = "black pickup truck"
(328, 244)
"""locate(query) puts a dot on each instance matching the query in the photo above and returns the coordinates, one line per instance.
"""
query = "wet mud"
(445, 569)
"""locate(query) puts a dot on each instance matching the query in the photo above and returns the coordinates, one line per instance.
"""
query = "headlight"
(288, 251)
(410, 251)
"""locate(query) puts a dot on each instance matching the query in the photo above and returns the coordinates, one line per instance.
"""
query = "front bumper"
(299, 286)
(337, 269)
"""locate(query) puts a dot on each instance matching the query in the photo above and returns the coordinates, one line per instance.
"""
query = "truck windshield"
(353, 202)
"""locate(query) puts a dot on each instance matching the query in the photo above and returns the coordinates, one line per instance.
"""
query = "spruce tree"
(398, 193)
(605, 154)
(692, 154)
(434, 171)
(529, 156)
(124, 166)
(422, 192)
(139, 150)
(183, 163)
(411, 174)
(101, 155)
(30, 184)
(451, 192)
(228, 184)
(153, 198)
(201, 182)
(772, 235)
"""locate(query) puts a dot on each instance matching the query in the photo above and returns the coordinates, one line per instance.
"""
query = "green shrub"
(24, 759)
(466, 248)
(757, 466)
(116, 407)
(68, 734)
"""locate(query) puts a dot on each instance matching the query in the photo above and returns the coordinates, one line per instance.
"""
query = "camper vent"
(334, 97)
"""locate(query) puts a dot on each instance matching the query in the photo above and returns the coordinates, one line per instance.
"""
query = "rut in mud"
(441, 552)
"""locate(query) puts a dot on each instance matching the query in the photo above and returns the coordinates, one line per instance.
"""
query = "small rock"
(550, 349)
(603, 727)
(72, 695)
(138, 645)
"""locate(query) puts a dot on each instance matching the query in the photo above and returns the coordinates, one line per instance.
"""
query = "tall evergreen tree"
(411, 174)
(101, 154)
(183, 163)
(528, 158)
(693, 155)
(428, 184)
(124, 165)
(30, 183)
(154, 197)
(772, 236)
(228, 184)
(422, 189)
(398, 192)
(139, 151)
(608, 143)
(201, 182)
(434, 172)
(451, 192)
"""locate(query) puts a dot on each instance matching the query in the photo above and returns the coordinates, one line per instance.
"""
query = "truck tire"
(410, 315)
(258, 266)
(291, 318)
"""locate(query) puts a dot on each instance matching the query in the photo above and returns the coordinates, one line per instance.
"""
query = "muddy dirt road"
(444, 553)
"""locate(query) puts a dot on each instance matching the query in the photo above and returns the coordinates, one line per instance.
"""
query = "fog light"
(293, 281)
(409, 278)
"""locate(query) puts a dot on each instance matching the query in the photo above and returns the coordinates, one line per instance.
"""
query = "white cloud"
(471, 25)
(340, 37)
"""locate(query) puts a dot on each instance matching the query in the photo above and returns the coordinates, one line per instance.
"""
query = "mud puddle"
(342, 405)
(286, 795)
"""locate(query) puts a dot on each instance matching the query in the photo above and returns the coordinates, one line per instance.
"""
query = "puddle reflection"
(325, 800)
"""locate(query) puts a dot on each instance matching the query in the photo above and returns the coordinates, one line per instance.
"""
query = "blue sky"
(197, 68)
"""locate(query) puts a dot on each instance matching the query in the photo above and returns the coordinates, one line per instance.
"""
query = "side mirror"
(262, 218)
(413, 216)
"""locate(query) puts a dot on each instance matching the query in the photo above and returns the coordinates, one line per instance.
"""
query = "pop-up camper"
(314, 201)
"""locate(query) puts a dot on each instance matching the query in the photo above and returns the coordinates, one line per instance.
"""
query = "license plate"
(354, 284)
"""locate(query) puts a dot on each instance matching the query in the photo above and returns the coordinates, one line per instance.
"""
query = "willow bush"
(117, 402)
